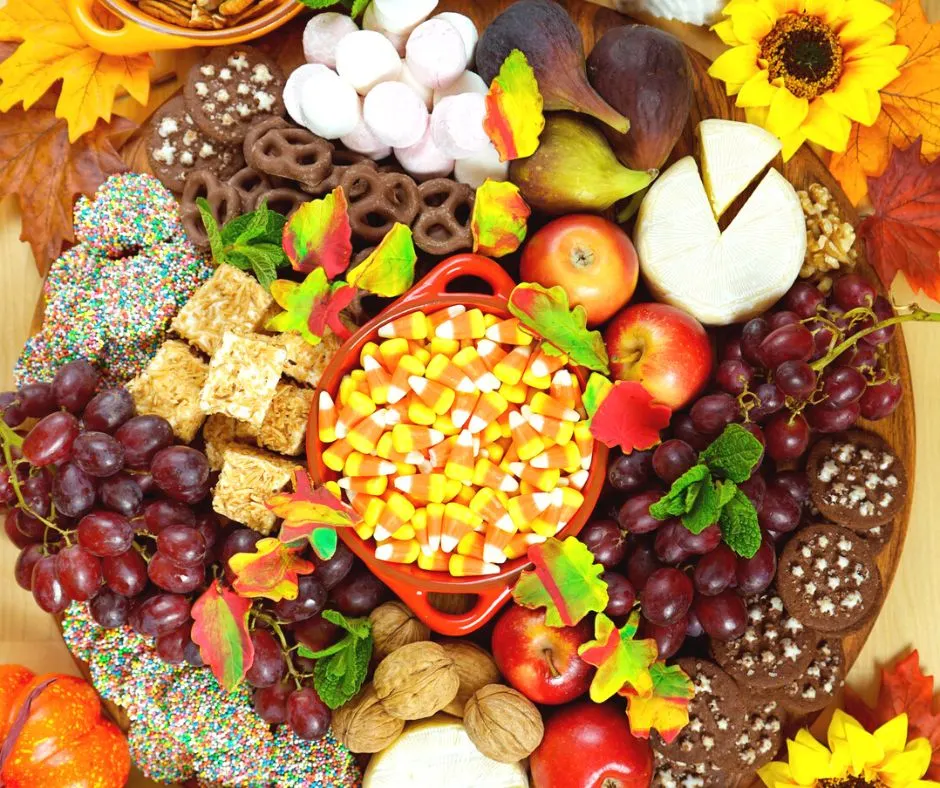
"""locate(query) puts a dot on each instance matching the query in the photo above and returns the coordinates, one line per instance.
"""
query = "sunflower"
(855, 758)
(805, 69)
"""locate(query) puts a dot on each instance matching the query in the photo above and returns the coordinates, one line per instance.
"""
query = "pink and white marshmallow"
(366, 58)
(398, 40)
(362, 140)
(435, 53)
(475, 169)
(329, 105)
(466, 28)
(321, 35)
(427, 95)
(424, 159)
(457, 125)
(395, 114)
(402, 16)
(293, 89)
(468, 82)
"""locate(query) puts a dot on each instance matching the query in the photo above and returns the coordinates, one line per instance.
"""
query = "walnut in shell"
(416, 681)
(476, 668)
(503, 723)
(363, 724)
(394, 626)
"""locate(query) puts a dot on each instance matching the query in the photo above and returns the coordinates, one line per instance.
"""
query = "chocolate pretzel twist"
(224, 204)
(378, 200)
(443, 223)
(276, 148)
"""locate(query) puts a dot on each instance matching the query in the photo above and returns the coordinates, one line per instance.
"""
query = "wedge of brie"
(435, 753)
(733, 154)
(719, 277)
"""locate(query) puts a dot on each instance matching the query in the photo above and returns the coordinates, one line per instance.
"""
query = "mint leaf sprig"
(355, 7)
(708, 492)
(341, 668)
(251, 242)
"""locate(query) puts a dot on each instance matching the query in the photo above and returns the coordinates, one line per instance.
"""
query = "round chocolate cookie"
(774, 649)
(818, 685)
(668, 773)
(760, 738)
(177, 146)
(828, 577)
(715, 716)
(856, 479)
(231, 89)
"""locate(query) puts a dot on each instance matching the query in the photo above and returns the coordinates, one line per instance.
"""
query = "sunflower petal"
(725, 31)
(870, 44)
(873, 73)
(736, 66)
(786, 113)
(776, 774)
(756, 92)
(829, 10)
(901, 769)
(862, 16)
(854, 102)
(750, 23)
(792, 143)
(809, 760)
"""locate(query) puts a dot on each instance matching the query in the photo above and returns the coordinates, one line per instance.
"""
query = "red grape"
(861, 356)
(780, 512)
(642, 563)
(316, 633)
(713, 412)
(755, 574)
(7, 493)
(311, 599)
(307, 715)
(160, 514)
(672, 458)
(850, 291)
(796, 483)
(605, 541)
(105, 533)
(792, 342)
(331, 571)
(769, 400)
(883, 310)
(182, 544)
(108, 410)
(752, 335)
(683, 430)
(126, 573)
(173, 577)
(723, 616)
(268, 666)
(795, 379)
(787, 436)
(171, 646)
(23, 569)
(669, 638)
(879, 401)
(630, 472)
(825, 419)
(162, 613)
(359, 594)
(74, 385)
(109, 610)
(702, 542)
(19, 540)
(715, 571)
(783, 318)
(667, 596)
(79, 572)
(73, 491)
(50, 440)
(804, 299)
(694, 627)
(823, 338)
(142, 437)
(28, 526)
(178, 470)
(12, 411)
(36, 399)
(734, 376)
(120, 493)
(634, 516)
(193, 655)
(842, 386)
(731, 351)
(271, 703)
(37, 493)
(669, 543)
(754, 488)
(621, 594)
(98, 454)
(240, 540)
(47, 588)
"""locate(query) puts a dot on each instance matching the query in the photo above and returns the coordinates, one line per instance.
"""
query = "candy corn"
(523, 509)
(458, 521)
(365, 435)
(524, 438)
(444, 370)
(326, 418)
(508, 332)
(391, 351)
(414, 325)
(470, 361)
(358, 464)
(512, 365)
(464, 405)
(563, 456)
(398, 552)
(520, 543)
(466, 325)
(460, 460)
(490, 353)
(472, 544)
(553, 429)
(486, 474)
(541, 479)
(564, 389)
(405, 367)
(467, 566)
(443, 315)
(491, 507)
(398, 511)
(423, 486)
(435, 561)
(495, 542)
(410, 437)
(433, 394)
(585, 441)
(545, 405)
(378, 379)
(335, 455)
(488, 409)
(370, 485)
(435, 525)
(357, 407)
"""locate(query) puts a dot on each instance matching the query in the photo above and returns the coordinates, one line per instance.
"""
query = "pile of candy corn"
(460, 441)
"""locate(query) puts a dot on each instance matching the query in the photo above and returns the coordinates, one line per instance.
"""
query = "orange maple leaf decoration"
(910, 106)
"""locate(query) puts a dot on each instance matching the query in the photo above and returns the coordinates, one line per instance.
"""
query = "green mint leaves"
(355, 7)
(708, 492)
(251, 242)
(341, 668)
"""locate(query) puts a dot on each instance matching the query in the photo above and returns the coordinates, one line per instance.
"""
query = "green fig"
(552, 44)
(574, 169)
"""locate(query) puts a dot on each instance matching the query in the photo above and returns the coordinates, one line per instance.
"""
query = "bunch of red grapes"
(106, 510)
(694, 584)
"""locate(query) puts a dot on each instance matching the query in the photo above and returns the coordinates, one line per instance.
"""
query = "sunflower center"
(851, 782)
(805, 53)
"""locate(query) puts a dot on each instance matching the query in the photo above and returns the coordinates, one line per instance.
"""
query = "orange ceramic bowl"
(144, 33)
(408, 581)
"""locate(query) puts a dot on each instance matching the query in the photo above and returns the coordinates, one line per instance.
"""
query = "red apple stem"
(548, 654)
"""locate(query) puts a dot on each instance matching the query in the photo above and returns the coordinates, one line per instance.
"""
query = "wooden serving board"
(709, 101)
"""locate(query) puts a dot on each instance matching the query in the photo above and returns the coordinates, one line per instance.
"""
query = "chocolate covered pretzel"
(378, 200)
(276, 148)
(443, 223)
(224, 204)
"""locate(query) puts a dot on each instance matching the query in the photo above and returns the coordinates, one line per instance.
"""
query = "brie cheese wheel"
(733, 154)
(719, 277)
(437, 752)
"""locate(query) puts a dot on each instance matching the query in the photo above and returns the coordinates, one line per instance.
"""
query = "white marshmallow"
(294, 88)
(362, 140)
(365, 58)
(321, 35)
(477, 168)
(467, 30)
(435, 53)
(424, 159)
(396, 115)
(457, 125)
(408, 78)
(400, 16)
(329, 105)
(468, 82)
(398, 40)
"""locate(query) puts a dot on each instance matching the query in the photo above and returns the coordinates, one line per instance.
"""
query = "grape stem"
(915, 314)
(276, 628)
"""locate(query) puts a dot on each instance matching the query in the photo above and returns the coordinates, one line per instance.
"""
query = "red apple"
(590, 257)
(589, 745)
(664, 348)
(540, 661)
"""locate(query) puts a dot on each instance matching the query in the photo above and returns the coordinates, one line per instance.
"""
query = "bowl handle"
(435, 283)
(488, 602)
(131, 39)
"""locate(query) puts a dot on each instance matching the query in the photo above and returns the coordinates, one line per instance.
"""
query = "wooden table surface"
(28, 636)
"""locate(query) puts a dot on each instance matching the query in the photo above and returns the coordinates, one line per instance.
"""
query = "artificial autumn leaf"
(546, 313)
(51, 50)
(904, 690)
(666, 708)
(514, 116)
(311, 306)
(566, 581)
(220, 629)
(46, 173)
(910, 106)
(903, 233)
(629, 417)
(390, 269)
(270, 572)
(498, 221)
(620, 659)
(319, 235)
(312, 515)
(597, 388)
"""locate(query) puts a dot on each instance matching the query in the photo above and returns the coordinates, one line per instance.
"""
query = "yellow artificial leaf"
(514, 116)
(499, 218)
(51, 50)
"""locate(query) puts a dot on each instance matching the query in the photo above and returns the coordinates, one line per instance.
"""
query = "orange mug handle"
(435, 283)
(488, 603)
(130, 39)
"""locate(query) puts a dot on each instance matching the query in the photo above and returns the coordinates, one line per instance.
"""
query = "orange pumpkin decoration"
(52, 734)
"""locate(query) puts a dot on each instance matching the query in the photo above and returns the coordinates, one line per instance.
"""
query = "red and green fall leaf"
(312, 515)
(904, 690)
(498, 221)
(271, 571)
(903, 233)
(514, 118)
(629, 417)
(620, 659)
(390, 269)
(311, 306)
(319, 235)
(220, 629)
(545, 312)
(666, 708)
(566, 581)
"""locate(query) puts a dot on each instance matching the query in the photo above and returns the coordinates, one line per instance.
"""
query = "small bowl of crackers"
(149, 25)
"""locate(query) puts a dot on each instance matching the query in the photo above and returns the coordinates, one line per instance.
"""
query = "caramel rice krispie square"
(305, 362)
(249, 477)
